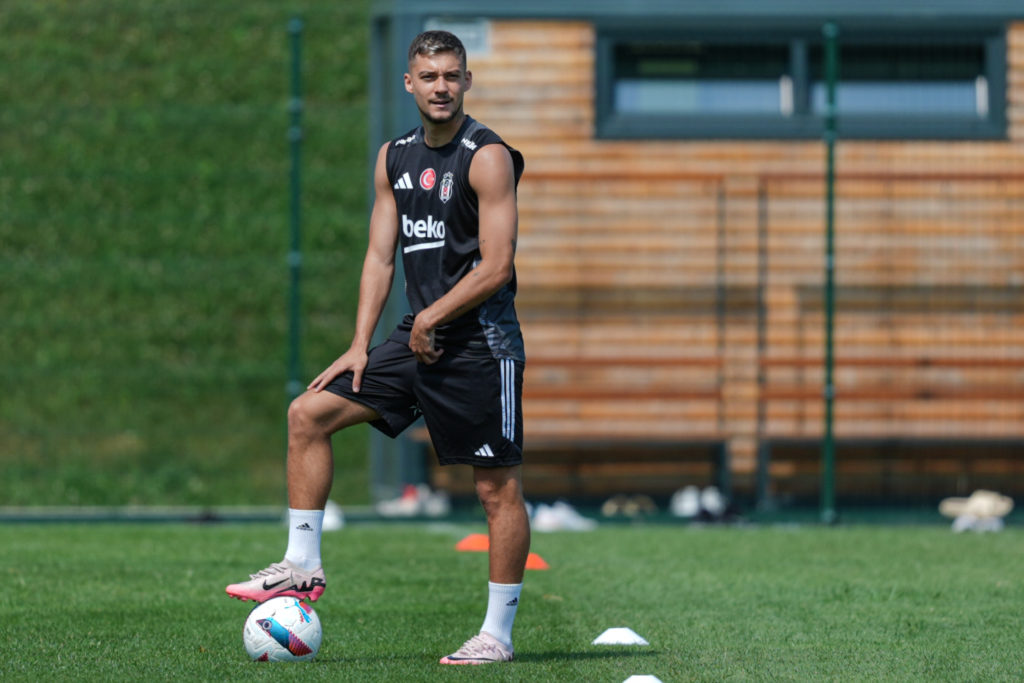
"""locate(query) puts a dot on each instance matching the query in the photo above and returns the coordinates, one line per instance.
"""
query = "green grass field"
(145, 602)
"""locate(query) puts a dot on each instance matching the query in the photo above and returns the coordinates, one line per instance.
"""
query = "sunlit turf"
(146, 602)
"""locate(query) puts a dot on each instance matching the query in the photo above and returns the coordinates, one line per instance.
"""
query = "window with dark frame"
(906, 84)
(699, 78)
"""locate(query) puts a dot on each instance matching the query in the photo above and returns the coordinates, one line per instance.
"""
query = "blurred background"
(774, 250)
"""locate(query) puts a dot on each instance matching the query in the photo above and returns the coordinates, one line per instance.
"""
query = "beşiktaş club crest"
(447, 184)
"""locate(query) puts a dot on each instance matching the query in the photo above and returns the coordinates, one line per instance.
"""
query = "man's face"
(438, 83)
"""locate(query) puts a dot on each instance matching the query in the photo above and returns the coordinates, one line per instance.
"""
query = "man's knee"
(498, 487)
(320, 414)
(301, 417)
(309, 416)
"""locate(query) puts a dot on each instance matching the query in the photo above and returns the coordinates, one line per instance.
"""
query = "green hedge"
(143, 238)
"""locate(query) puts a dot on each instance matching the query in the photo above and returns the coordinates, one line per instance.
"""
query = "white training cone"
(619, 636)
(642, 678)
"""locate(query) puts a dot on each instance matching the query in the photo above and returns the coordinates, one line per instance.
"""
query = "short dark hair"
(433, 42)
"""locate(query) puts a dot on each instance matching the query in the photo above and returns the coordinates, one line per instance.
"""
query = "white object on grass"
(619, 636)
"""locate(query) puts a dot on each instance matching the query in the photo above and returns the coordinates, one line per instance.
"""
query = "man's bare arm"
(492, 177)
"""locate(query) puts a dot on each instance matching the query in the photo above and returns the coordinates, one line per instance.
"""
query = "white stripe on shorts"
(508, 399)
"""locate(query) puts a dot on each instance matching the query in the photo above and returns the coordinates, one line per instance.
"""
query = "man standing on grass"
(446, 197)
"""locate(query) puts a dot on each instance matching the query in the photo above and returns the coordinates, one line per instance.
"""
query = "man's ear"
(408, 83)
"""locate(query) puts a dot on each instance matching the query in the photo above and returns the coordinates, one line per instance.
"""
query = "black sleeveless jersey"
(438, 224)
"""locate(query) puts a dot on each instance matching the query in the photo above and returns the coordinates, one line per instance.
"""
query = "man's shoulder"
(408, 139)
(477, 136)
(399, 149)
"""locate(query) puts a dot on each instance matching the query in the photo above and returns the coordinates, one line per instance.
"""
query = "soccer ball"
(282, 630)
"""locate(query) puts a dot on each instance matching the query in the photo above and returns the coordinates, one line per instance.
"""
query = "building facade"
(672, 252)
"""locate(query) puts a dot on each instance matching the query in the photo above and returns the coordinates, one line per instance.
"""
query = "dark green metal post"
(828, 454)
(294, 386)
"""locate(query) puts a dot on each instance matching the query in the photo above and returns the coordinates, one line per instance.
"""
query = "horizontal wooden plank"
(613, 411)
(607, 276)
(585, 384)
(897, 392)
(514, 36)
(546, 93)
(623, 392)
(898, 430)
(660, 266)
(583, 342)
(891, 361)
(889, 180)
(659, 361)
(594, 207)
(552, 350)
(545, 434)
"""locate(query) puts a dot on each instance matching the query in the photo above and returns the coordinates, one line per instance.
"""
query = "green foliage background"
(143, 239)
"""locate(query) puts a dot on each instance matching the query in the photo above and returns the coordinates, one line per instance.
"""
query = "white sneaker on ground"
(685, 502)
(415, 501)
(560, 516)
(480, 649)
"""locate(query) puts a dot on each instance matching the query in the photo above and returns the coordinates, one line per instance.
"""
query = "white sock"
(304, 530)
(502, 602)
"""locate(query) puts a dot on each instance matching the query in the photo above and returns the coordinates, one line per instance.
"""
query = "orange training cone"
(535, 561)
(474, 543)
(481, 543)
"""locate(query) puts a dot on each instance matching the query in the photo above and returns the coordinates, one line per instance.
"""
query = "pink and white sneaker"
(480, 649)
(281, 579)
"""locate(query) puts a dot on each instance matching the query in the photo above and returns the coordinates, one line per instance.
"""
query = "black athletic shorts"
(470, 400)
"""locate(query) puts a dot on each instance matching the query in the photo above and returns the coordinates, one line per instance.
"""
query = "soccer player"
(446, 200)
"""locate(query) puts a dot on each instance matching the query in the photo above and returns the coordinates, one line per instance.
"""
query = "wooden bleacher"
(635, 373)
(929, 366)
(620, 306)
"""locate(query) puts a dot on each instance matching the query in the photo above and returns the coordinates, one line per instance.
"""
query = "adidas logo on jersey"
(484, 451)
(405, 141)
(404, 183)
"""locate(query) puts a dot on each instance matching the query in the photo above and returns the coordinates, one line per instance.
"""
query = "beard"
(443, 118)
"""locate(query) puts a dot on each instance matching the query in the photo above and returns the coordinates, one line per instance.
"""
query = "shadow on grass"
(523, 657)
(616, 653)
